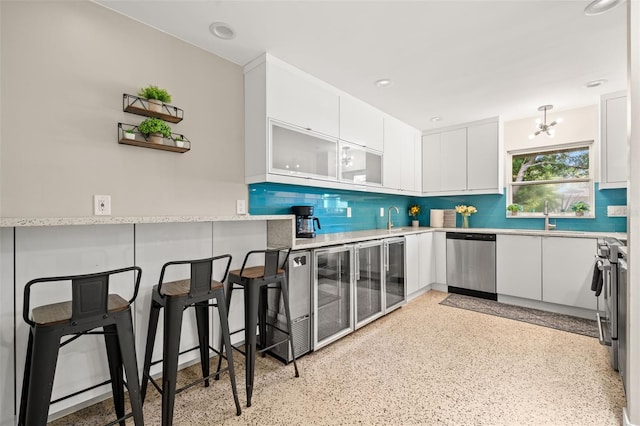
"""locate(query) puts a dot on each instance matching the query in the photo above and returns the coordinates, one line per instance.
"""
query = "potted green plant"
(154, 130)
(156, 97)
(514, 209)
(129, 134)
(580, 208)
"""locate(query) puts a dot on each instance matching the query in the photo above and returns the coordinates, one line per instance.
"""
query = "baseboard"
(625, 418)
(549, 307)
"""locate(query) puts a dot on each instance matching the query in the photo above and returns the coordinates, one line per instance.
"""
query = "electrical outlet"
(348, 211)
(616, 211)
(381, 211)
(241, 207)
(102, 205)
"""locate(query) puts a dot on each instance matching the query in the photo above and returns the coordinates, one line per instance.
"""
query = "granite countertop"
(339, 238)
(123, 220)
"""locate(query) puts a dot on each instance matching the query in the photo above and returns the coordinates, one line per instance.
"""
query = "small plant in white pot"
(179, 140)
(514, 209)
(580, 208)
(155, 97)
(129, 134)
(154, 130)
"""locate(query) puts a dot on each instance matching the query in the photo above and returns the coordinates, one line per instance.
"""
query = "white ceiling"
(462, 60)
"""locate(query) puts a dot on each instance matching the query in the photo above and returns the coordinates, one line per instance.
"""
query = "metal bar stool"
(255, 281)
(91, 307)
(175, 297)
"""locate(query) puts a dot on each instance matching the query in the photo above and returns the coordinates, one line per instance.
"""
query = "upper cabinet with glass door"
(360, 165)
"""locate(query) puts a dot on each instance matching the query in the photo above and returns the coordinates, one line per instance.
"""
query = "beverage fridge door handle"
(357, 264)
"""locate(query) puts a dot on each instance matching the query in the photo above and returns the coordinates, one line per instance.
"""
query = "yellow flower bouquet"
(466, 211)
(414, 210)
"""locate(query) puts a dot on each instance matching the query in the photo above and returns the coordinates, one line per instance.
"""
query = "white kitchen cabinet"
(431, 165)
(453, 160)
(302, 154)
(360, 165)
(519, 266)
(401, 146)
(614, 149)
(567, 267)
(413, 259)
(360, 123)
(440, 256)
(426, 259)
(300, 99)
(484, 157)
(465, 159)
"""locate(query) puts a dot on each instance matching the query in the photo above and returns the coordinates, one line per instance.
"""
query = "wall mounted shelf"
(140, 106)
(175, 143)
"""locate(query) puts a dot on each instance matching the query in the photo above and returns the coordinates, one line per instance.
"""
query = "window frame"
(546, 149)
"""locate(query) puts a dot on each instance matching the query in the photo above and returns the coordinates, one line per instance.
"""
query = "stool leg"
(46, 345)
(252, 298)
(262, 319)
(115, 369)
(172, 328)
(25, 380)
(154, 314)
(126, 342)
(227, 303)
(285, 297)
(224, 325)
(202, 320)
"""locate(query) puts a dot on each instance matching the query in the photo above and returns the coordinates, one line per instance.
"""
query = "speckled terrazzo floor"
(424, 364)
(534, 316)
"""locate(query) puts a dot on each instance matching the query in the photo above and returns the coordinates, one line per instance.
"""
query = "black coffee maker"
(305, 221)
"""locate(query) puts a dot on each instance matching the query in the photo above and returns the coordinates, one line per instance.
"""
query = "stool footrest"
(71, 395)
(273, 346)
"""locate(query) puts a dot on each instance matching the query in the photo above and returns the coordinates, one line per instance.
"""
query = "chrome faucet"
(389, 223)
(547, 226)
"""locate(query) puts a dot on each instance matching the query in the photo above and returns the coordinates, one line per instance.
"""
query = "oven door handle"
(600, 332)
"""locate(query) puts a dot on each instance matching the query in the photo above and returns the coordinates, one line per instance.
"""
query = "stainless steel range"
(609, 281)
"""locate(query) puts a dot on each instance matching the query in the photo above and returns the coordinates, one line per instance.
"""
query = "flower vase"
(415, 223)
(465, 221)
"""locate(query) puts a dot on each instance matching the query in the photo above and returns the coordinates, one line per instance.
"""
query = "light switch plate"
(241, 207)
(381, 211)
(348, 211)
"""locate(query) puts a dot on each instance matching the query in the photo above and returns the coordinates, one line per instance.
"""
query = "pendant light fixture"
(542, 126)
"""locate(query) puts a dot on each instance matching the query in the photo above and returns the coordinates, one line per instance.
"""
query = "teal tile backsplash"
(330, 207)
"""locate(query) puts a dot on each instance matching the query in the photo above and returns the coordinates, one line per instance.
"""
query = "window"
(561, 176)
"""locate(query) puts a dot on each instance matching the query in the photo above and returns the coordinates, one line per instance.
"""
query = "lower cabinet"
(519, 266)
(368, 282)
(355, 284)
(548, 269)
(333, 294)
(420, 262)
(567, 266)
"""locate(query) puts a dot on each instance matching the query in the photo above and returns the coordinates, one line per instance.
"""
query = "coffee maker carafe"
(305, 222)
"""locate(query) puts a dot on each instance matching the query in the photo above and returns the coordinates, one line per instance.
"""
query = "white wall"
(579, 125)
(633, 219)
(64, 68)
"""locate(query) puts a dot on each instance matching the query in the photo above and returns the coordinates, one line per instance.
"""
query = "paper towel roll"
(437, 218)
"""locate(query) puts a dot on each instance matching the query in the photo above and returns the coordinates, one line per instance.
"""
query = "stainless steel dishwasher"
(471, 264)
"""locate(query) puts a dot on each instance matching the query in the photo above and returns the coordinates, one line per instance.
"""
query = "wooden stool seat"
(59, 313)
(182, 287)
(252, 273)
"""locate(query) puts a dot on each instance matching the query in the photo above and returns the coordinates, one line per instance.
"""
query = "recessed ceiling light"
(436, 118)
(222, 30)
(594, 83)
(597, 7)
(384, 82)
